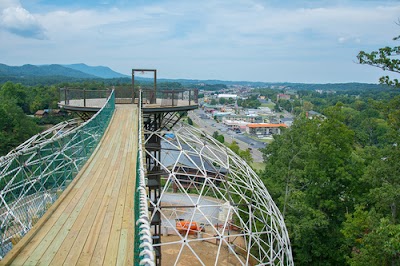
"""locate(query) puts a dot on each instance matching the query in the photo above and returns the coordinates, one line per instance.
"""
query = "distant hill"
(26, 71)
(52, 74)
(98, 71)
(76, 71)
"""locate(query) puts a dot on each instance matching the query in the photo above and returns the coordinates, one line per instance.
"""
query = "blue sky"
(256, 40)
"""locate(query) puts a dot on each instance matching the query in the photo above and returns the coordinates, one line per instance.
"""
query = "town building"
(312, 115)
(264, 129)
(287, 121)
(244, 118)
(282, 96)
(236, 125)
(227, 96)
(41, 113)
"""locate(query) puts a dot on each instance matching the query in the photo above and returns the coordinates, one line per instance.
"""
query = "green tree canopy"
(311, 173)
(386, 59)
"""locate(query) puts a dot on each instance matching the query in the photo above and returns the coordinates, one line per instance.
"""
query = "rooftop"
(255, 125)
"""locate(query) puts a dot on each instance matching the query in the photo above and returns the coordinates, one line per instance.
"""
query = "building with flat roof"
(245, 118)
(227, 96)
(264, 128)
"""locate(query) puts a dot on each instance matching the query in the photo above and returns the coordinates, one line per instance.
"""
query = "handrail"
(144, 254)
(69, 94)
(33, 176)
(171, 97)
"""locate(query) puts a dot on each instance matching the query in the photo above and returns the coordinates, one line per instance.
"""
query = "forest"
(17, 104)
(336, 178)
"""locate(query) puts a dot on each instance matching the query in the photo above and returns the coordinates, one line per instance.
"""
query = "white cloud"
(188, 34)
(9, 3)
(15, 19)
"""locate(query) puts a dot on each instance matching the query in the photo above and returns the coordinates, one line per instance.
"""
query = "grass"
(258, 166)
(270, 105)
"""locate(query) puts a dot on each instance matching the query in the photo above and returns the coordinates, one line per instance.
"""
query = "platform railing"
(35, 174)
(144, 254)
(173, 97)
(170, 97)
(83, 97)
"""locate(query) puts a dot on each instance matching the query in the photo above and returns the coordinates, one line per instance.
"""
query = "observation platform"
(92, 223)
(164, 101)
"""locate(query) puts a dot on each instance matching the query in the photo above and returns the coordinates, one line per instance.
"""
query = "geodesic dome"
(214, 208)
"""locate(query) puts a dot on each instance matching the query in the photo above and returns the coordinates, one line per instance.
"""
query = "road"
(244, 142)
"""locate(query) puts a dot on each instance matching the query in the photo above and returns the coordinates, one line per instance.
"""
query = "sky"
(308, 41)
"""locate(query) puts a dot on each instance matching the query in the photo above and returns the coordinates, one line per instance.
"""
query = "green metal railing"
(144, 254)
(34, 175)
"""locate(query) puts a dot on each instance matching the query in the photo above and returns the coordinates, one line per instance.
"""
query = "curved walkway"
(92, 223)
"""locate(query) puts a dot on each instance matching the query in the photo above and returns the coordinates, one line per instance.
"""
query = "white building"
(227, 96)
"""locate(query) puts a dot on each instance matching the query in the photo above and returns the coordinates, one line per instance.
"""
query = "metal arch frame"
(33, 175)
(208, 179)
(133, 82)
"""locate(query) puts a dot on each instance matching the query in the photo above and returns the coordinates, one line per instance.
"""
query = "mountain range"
(57, 73)
(78, 71)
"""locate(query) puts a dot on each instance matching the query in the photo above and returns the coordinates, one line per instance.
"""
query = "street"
(209, 125)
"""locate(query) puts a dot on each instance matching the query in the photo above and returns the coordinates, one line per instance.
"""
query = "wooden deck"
(92, 223)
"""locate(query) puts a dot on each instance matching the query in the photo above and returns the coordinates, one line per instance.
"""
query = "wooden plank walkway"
(92, 223)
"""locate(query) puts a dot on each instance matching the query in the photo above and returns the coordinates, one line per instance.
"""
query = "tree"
(218, 137)
(372, 240)
(311, 172)
(307, 106)
(190, 121)
(15, 126)
(16, 93)
(234, 147)
(246, 155)
(382, 180)
(222, 100)
(221, 138)
(384, 58)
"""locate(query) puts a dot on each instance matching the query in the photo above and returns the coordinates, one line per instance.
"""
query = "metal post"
(155, 86)
(65, 97)
(84, 97)
(133, 86)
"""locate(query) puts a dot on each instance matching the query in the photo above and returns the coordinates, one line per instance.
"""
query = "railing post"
(66, 101)
(84, 97)
(190, 96)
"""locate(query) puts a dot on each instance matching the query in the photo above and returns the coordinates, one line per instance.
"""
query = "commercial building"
(264, 129)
